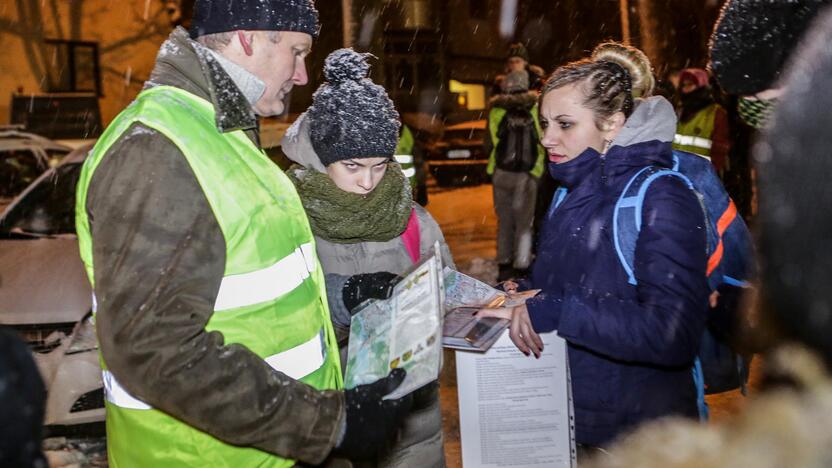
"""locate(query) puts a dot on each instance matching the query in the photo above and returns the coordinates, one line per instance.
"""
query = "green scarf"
(349, 218)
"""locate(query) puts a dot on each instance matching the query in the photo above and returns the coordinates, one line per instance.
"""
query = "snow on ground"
(76, 452)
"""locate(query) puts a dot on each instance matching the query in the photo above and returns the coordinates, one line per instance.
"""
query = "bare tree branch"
(149, 31)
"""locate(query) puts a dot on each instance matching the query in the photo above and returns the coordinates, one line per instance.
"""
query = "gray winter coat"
(419, 442)
(340, 261)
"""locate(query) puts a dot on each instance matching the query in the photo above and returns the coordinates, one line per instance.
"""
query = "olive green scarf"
(349, 218)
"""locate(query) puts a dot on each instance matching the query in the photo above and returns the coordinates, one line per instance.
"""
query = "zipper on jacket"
(603, 170)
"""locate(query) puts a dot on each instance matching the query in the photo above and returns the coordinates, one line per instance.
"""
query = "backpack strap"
(699, 383)
(560, 195)
(626, 222)
(557, 200)
(626, 227)
(412, 237)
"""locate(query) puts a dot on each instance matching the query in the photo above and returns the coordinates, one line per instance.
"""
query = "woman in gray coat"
(367, 229)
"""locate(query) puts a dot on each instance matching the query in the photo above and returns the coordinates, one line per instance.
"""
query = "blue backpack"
(718, 367)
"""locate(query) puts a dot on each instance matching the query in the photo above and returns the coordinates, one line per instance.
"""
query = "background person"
(515, 163)
(517, 59)
(210, 306)
(703, 126)
(368, 231)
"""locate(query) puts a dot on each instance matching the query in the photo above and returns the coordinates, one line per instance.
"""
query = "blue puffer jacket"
(631, 348)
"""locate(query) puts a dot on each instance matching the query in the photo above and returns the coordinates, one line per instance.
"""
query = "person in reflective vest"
(210, 309)
(409, 158)
(404, 155)
(515, 164)
(703, 124)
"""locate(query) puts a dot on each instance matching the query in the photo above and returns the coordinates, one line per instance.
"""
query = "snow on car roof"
(16, 140)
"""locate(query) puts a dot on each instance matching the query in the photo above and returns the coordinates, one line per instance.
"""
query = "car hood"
(42, 281)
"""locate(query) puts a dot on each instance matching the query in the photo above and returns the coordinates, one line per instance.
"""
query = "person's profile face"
(569, 126)
(281, 65)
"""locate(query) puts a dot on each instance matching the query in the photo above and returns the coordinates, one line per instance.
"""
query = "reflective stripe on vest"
(117, 395)
(404, 158)
(687, 140)
(297, 363)
(302, 360)
(406, 162)
(267, 284)
(695, 135)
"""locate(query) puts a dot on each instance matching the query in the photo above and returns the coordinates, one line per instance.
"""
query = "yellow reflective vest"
(271, 299)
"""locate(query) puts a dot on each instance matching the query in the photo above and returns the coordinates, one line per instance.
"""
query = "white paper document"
(514, 410)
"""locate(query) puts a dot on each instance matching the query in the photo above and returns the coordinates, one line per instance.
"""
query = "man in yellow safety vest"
(216, 343)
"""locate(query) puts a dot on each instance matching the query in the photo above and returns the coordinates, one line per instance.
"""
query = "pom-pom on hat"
(351, 117)
(218, 16)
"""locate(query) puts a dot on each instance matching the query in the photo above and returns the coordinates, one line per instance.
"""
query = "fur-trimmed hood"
(524, 101)
(297, 145)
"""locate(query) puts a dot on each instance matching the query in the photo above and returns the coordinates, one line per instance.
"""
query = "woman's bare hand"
(521, 331)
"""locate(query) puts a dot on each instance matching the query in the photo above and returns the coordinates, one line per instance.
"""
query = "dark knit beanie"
(218, 16)
(518, 50)
(351, 117)
(752, 40)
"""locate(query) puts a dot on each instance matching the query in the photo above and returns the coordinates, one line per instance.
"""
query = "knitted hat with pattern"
(351, 117)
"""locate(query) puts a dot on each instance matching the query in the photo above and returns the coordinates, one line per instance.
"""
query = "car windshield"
(49, 208)
(18, 169)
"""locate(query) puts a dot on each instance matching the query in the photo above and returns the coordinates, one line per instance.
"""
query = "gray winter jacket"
(340, 261)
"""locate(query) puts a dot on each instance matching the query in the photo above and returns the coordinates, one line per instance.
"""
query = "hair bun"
(633, 61)
(346, 65)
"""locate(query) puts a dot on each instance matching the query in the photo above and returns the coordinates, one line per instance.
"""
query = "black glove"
(365, 286)
(372, 421)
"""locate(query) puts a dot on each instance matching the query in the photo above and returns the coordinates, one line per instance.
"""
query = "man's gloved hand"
(365, 286)
(372, 421)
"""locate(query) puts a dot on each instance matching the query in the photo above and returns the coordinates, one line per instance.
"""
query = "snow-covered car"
(46, 297)
(458, 157)
(23, 157)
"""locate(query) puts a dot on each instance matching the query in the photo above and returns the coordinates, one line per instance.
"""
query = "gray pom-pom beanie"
(351, 117)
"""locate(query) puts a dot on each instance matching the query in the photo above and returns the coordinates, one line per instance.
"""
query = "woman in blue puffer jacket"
(631, 347)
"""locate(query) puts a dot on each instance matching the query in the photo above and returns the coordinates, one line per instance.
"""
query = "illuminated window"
(468, 95)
